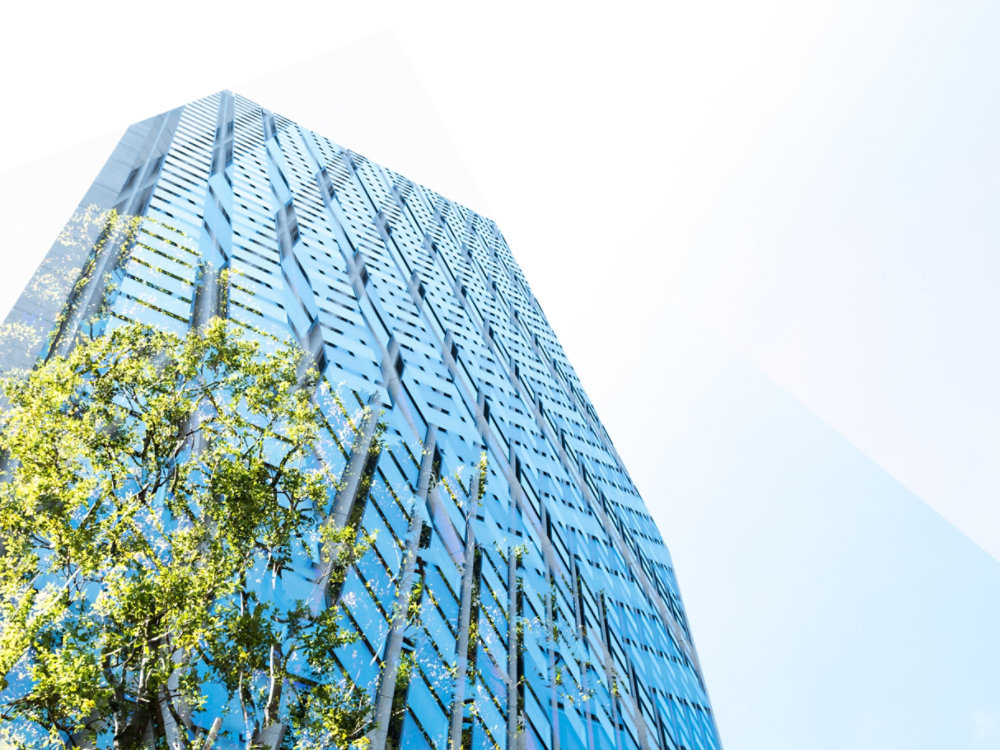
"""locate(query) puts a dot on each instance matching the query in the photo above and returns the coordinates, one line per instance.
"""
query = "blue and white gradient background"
(766, 234)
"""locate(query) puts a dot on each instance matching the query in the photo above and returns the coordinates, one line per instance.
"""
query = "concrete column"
(464, 619)
(394, 644)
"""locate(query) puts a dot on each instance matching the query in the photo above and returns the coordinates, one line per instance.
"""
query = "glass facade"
(548, 611)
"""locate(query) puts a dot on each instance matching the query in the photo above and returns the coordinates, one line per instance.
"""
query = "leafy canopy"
(156, 488)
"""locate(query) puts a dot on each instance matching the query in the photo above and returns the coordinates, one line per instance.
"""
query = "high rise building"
(550, 613)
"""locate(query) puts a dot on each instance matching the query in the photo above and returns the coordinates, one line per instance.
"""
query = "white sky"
(815, 182)
(814, 186)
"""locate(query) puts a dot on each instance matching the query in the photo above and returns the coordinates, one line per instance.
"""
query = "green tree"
(154, 487)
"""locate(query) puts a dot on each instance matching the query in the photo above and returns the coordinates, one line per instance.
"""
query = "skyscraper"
(550, 614)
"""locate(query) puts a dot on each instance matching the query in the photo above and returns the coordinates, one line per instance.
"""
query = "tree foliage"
(156, 488)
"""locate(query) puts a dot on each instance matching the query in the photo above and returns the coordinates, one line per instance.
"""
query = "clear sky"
(766, 235)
